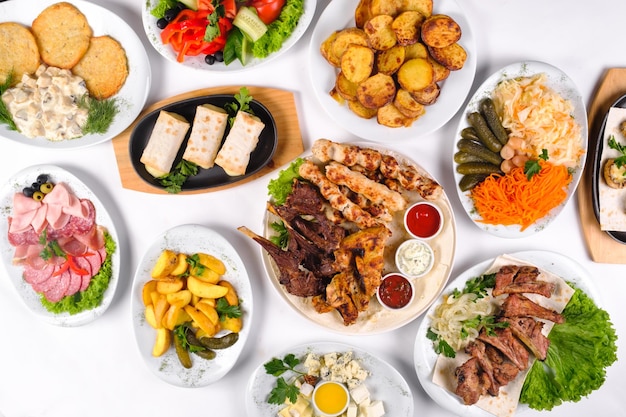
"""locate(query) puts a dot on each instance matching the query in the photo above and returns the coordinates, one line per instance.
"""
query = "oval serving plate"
(376, 319)
(215, 176)
(32, 299)
(424, 356)
(596, 172)
(562, 84)
(190, 239)
(134, 93)
(384, 382)
(197, 62)
(454, 90)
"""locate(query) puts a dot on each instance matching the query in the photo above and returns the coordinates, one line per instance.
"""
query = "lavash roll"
(243, 137)
(167, 135)
(209, 125)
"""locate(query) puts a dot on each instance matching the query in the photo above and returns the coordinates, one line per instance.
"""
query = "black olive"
(28, 191)
(161, 23)
(43, 178)
(38, 196)
(219, 56)
(35, 185)
(170, 14)
(46, 188)
(209, 59)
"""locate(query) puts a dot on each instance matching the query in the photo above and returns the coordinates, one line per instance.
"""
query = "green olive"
(46, 187)
(38, 196)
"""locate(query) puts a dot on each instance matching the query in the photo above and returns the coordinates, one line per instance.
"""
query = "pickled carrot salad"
(541, 117)
(514, 199)
(542, 121)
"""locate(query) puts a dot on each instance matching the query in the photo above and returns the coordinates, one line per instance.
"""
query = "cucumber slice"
(192, 4)
(248, 21)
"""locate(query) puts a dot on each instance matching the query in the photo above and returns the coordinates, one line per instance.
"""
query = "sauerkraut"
(534, 112)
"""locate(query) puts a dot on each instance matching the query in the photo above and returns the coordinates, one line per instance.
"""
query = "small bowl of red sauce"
(423, 220)
(395, 292)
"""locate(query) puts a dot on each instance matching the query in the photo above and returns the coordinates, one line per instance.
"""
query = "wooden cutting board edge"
(602, 247)
(280, 103)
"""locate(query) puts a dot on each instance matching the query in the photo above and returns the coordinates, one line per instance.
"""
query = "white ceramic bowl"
(423, 220)
(414, 258)
(325, 385)
(387, 286)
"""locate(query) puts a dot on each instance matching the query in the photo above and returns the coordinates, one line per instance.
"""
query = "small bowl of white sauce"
(414, 258)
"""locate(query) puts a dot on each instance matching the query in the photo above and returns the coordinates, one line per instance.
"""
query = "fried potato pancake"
(104, 67)
(18, 52)
(62, 33)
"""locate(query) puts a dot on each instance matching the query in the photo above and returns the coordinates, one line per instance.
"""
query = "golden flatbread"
(62, 33)
(104, 67)
(18, 51)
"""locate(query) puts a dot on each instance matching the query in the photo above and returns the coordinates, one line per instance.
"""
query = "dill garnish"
(5, 116)
(101, 114)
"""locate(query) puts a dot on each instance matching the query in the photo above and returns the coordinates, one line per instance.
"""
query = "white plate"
(562, 84)
(454, 90)
(424, 355)
(190, 239)
(131, 98)
(377, 319)
(32, 299)
(385, 383)
(197, 62)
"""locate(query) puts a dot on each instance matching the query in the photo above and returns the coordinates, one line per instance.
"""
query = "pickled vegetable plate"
(562, 84)
(133, 94)
(14, 273)
(189, 239)
(454, 90)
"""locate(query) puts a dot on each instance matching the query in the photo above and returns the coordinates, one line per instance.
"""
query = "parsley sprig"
(532, 166)
(212, 29)
(479, 322)
(477, 285)
(243, 99)
(440, 345)
(282, 238)
(173, 182)
(226, 310)
(614, 144)
(50, 248)
(283, 389)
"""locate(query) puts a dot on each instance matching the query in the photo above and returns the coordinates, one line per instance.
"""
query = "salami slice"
(75, 283)
(56, 292)
(38, 276)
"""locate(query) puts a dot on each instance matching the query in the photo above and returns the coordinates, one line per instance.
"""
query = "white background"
(96, 369)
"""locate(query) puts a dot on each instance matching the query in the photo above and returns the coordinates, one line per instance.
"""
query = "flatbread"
(505, 404)
(18, 52)
(243, 137)
(612, 201)
(209, 125)
(104, 67)
(167, 135)
(63, 34)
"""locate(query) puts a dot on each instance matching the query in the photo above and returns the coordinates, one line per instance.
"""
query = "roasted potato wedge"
(357, 63)
(407, 27)
(416, 50)
(234, 324)
(231, 296)
(181, 265)
(362, 13)
(345, 88)
(388, 7)
(389, 61)
(169, 285)
(407, 105)
(344, 38)
(390, 116)
(440, 30)
(441, 72)
(452, 57)
(428, 95)
(380, 35)
(415, 74)
(425, 7)
(360, 110)
(376, 91)
(146, 292)
(163, 342)
(212, 262)
(180, 298)
(165, 264)
(336, 96)
(205, 289)
(326, 48)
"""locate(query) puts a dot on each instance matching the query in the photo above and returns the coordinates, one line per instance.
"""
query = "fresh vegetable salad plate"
(375, 318)
(133, 94)
(198, 61)
(580, 314)
(384, 382)
(551, 108)
(191, 239)
(454, 90)
(33, 299)
(214, 176)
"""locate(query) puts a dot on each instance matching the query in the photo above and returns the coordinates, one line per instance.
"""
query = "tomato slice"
(268, 10)
(230, 8)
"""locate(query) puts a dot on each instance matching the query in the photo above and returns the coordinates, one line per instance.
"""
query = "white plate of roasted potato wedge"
(392, 70)
(191, 306)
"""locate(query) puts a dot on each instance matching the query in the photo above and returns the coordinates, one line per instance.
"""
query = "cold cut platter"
(61, 254)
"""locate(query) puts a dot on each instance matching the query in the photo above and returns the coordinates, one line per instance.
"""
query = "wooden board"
(602, 247)
(279, 102)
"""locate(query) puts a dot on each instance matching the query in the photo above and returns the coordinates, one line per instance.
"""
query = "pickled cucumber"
(470, 181)
(488, 110)
(485, 134)
(206, 354)
(477, 168)
(182, 352)
(470, 133)
(220, 342)
(462, 157)
(479, 150)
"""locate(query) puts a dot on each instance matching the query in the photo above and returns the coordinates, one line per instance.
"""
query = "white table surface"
(96, 369)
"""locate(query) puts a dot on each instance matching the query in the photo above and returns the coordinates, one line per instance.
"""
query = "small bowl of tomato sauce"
(423, 220)
(395, 292)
